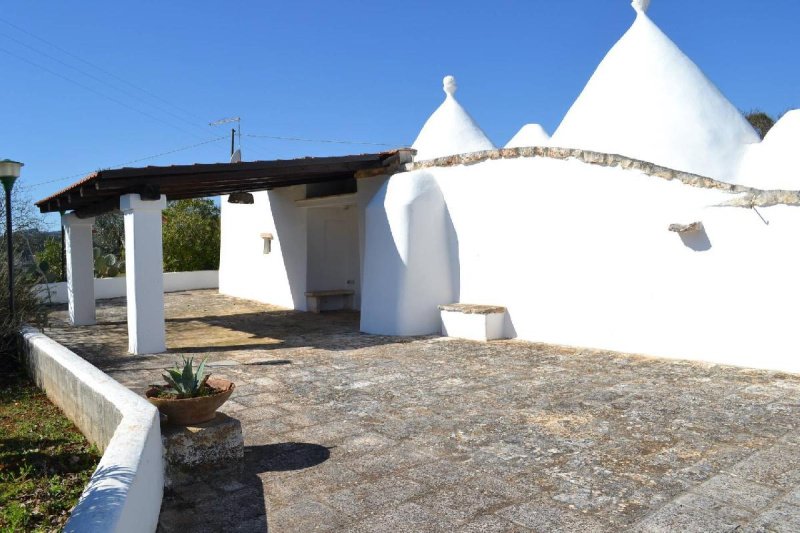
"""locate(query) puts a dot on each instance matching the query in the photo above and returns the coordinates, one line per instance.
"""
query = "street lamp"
(9, 172)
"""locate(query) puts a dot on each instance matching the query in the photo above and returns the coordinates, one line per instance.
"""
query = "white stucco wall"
(245, 271)
(409, 264)
(581, 255)
(107, 288)
(125, 491)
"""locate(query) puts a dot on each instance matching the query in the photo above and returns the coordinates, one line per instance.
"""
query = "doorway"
(333, 254)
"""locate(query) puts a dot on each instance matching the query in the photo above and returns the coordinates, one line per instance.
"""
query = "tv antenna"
(235, 132)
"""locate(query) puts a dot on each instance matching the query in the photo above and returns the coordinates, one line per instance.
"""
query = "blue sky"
(363, 71)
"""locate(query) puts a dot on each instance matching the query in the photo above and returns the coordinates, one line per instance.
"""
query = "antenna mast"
(235, 132)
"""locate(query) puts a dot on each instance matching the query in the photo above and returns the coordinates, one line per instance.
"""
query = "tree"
(109, 234)
(760, 121)
(49, 260)
(191, 235)
(27, 306)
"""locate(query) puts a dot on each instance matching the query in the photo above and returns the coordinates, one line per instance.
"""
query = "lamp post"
(9, 172)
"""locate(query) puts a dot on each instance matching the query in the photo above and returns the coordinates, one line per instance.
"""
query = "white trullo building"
(640, 226)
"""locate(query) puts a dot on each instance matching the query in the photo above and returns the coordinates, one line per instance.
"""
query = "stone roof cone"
(649, 101)
(450, 129)
(529, 135)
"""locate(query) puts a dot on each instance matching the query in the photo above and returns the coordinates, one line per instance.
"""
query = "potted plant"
(190, 397)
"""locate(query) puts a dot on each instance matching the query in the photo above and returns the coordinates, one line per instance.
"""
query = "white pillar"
(144, 273)
(80, 268)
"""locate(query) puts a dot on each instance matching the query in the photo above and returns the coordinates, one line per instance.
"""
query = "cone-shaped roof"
(773, 163)
(648, 100)
(450, 130)
(529, 135)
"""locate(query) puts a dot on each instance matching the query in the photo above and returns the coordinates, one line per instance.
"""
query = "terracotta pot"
(192, 411)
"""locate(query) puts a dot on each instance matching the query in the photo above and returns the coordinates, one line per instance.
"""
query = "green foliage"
(27, 306)
(49, 261)
(107, 265)
(760, 121)
(191, 235)
(109, 234)
(186, 382)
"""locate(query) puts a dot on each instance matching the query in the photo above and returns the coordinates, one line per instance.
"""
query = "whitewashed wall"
(581, 255)
(245, 271)
(125, 491)
(408, 267)
(106, 288)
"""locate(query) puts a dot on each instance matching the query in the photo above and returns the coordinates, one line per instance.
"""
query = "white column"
(144, 273)
(80, 268)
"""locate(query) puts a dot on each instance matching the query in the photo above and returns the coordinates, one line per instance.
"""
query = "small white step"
(473, 321)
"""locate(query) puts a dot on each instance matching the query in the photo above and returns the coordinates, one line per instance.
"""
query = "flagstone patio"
(352, 432)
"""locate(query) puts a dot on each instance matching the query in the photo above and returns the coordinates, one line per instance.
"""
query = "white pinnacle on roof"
(649, 101)
(773, 163)
(450, 130)
(529, 135)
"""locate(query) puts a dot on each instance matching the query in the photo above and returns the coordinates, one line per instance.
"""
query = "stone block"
(475, 322)
(215, 443)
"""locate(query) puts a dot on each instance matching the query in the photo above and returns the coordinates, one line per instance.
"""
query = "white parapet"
(474, 322)
(80, 268)
(125, 491)
(144, 269)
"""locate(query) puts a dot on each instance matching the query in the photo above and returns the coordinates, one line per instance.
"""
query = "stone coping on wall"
(124, 493)
(473, 309)
(747, 196)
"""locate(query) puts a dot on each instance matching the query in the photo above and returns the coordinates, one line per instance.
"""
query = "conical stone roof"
(450, 130)
(529, 135)
(649, 101)
(773, 163)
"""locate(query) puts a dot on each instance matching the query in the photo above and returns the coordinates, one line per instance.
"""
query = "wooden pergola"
(142, 193)
(100, 191)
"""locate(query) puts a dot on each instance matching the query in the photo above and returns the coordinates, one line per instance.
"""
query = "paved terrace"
(353, 432)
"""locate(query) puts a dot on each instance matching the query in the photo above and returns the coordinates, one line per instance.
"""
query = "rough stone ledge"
(753, 198)
(686, 228)
(473, 309)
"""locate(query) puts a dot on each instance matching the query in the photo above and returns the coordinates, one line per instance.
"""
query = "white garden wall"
(125, 491)
(106, 288)
(581, 254)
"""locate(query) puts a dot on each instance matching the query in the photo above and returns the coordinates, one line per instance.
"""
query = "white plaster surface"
(144, 273)
(410, 263)
(80, 268)
(581, 255)
(125, 491)
(477, 327)
(773, 163)
(450, 129)
(647, 100)
(245, 271)
(107, 288)
(529, 135)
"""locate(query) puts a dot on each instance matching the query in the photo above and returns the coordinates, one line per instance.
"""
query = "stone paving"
(352, 432)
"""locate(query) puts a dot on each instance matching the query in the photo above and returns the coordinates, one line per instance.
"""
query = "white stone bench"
(314, 299)
(471, 321)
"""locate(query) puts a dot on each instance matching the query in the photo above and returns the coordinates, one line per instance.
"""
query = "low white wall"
(124, 493)
(580, 254)
(106, 288)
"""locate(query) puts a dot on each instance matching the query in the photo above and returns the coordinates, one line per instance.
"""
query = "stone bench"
(472, 321)
(314, 299)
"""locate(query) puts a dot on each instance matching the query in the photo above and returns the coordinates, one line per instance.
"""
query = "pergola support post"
(144, 273)
(80, 268)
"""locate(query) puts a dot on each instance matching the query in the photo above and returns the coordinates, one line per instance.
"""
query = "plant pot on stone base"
(190, 397)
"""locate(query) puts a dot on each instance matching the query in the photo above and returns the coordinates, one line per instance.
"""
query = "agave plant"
(186, 382)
